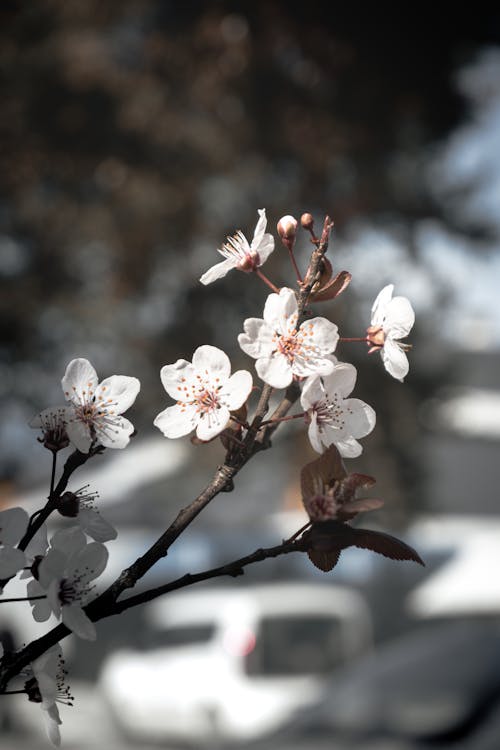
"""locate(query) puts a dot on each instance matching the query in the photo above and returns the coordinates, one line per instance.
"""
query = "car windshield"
(181, 635)
(296, 645)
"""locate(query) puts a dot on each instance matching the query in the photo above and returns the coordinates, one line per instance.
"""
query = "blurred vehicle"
(233, 663)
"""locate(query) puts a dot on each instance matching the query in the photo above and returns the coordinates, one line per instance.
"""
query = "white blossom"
(205, 392)
(282, 350)
(96, 409)
(13, 525)
(46, 685)
(238, 253)
(82, 508)
(392, 319)
(64, 575)
(333, 418)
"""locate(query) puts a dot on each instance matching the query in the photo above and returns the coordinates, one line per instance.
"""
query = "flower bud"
(287, 228)
(69, 505)
(307, 221)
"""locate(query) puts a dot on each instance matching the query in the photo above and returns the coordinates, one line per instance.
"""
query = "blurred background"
(135, 137)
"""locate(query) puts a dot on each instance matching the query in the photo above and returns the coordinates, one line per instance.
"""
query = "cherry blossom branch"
(257, 438)
(73, 462)
(101, 608)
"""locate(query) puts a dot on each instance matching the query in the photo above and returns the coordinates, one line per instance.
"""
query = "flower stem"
(264, 278)
(13, 692)
(354, 338)
(294, 264)
(53, 473)
(22, 598)
(283, 419)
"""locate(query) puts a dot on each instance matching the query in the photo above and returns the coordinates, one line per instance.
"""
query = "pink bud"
(307, 221)
(287, 228)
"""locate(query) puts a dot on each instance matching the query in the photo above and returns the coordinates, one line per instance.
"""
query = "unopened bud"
(287, 228)
(69, 505)
(307, 222)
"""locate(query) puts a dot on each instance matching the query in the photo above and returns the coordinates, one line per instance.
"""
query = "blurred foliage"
(137, 134)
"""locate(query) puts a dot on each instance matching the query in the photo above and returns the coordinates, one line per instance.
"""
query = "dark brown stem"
(23, 598)
(294, 264)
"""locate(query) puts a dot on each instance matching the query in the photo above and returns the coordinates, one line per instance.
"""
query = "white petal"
(311, 365)
(52, 723)
(218, 271)
(79, 435)
(116, 434)
(320, 334)
(275, 371)
(312, 392)
(11, 561)
(349, 447)
(265, 248)
(177, 421)
(212, 423)
(259, 229)
(379, 307)
(280, 311)
(80, 380)
(399, 318)
(314, 434)
(342, 380)
(96, 526)
(211, 362)
(90, 562)
(395, 360)
(53, 599)
(118, 390)
(68, 541)
(360, 418)
(257, 341)
(237, 389)
(13, 524)
(52, 567)
(41, 609)
(177, 377)
(76, 620)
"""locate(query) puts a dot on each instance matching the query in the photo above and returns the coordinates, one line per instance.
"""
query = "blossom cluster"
(289, 347)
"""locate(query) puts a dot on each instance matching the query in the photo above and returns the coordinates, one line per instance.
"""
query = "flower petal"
(258, 339)
(349, 447)
(176, 377)
(218, 271)
(116, 433)
(312, 392)
(52, 723)
(259, 229)
(275, 371)
(211, 362)
(265, 248)
(399, 318)
(79, 434)
(342, 380)
(76, 620)
(79, 381)
(12, 560)
(280, 311)
(13, 524)
(314, 434)
(321, 334)
(96, 526)
(118, 390)
(212, 423)
(395, 360)
(361, 417)
(379, 307)
(177, 421)
(90, 562)
(237, 389)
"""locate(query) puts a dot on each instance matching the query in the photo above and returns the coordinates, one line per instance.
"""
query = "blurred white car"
(233, 663)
